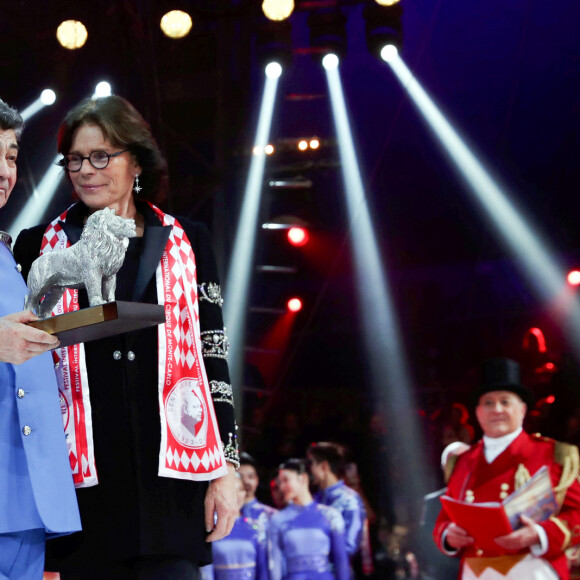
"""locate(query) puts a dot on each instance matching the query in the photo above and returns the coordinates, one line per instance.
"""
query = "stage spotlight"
(72, 34)
(277, 9)
(330, 61)
(297, 236)
(103, 89)
(385, 356)
(273, 70)
(294, 305)
(531, 251)
(573, 277)
(387, 2)
(48, 97)
(535, 340)
(176, 24)
(33, 211)
(269, 149)
(389, 52)
(303, 145)
(240, 268)
(327, 32)
(383, 27)
(314, 144)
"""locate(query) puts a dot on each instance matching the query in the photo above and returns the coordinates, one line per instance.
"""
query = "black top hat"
(502, 374)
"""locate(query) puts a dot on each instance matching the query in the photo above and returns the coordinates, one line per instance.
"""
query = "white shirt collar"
(494, 446)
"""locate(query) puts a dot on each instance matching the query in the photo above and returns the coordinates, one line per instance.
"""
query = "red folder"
(482, 521)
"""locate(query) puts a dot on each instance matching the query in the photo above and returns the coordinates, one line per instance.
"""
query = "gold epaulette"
(567, 456)
(449, 466)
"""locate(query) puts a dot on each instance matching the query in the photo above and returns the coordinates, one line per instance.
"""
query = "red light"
(574, 277)
(294, 305)
(538, 335)
(297, 236)
(550, 399)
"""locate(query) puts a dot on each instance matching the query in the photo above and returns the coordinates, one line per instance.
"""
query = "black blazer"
(133, 511)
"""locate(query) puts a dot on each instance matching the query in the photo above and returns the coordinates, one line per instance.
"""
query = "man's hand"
(525, 537)
(221, 499)
(456, 537)
(19, 342)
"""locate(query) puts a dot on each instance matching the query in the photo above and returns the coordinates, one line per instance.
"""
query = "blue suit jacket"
(36, 483)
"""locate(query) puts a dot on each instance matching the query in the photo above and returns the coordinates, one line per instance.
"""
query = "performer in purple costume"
(252, 508)
(242, 554)
(305, 539)
(327, 469)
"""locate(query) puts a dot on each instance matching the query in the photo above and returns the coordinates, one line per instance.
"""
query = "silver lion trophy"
(91, 263)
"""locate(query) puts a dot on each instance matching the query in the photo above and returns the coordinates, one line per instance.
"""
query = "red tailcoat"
(484, 480)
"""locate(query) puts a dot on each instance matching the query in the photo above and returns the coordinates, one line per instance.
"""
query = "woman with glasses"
(141, 472)
(305, 539)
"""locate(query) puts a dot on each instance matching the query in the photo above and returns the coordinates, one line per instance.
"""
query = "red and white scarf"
(191, 447)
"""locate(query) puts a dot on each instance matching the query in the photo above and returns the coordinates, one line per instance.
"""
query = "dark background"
(506, 74)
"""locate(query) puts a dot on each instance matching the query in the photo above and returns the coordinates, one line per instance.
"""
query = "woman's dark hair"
(124, 127)
(300, 466)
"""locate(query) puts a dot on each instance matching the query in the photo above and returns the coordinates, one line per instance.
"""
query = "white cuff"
(541, 548)
(454, 551)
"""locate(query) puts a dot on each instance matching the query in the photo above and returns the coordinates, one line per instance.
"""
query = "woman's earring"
(136, 187)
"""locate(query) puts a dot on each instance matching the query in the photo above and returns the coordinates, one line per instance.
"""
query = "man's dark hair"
(330, 452)
(247, 459)
(295, 464)
(10, 119)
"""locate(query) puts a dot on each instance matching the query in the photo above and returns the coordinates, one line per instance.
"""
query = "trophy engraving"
(92, 263)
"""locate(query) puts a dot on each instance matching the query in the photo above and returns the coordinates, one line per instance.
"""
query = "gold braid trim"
(567, 456)
(522, 476)
(564, 529)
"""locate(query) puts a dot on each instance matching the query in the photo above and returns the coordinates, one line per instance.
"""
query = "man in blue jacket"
(327, 470)
(37, 498)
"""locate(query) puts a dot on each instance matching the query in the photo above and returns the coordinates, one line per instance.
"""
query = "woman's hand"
(221, 500)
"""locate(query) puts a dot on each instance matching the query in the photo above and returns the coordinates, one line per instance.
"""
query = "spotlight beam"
(381, 329)
(531, 252)
(240, 269)
(47, 97)
(32, 109)
(33, 211)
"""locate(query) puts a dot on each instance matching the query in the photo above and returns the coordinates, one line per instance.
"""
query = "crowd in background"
(400, 547)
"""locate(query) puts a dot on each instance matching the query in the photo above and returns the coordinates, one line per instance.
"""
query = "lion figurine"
(93, 263)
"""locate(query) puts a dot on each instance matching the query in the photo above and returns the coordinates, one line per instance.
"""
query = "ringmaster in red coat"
(493, 468)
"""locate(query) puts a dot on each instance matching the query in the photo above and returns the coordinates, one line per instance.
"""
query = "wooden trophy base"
(101, 321)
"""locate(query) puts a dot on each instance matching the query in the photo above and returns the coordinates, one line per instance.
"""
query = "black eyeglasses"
(98, 159)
